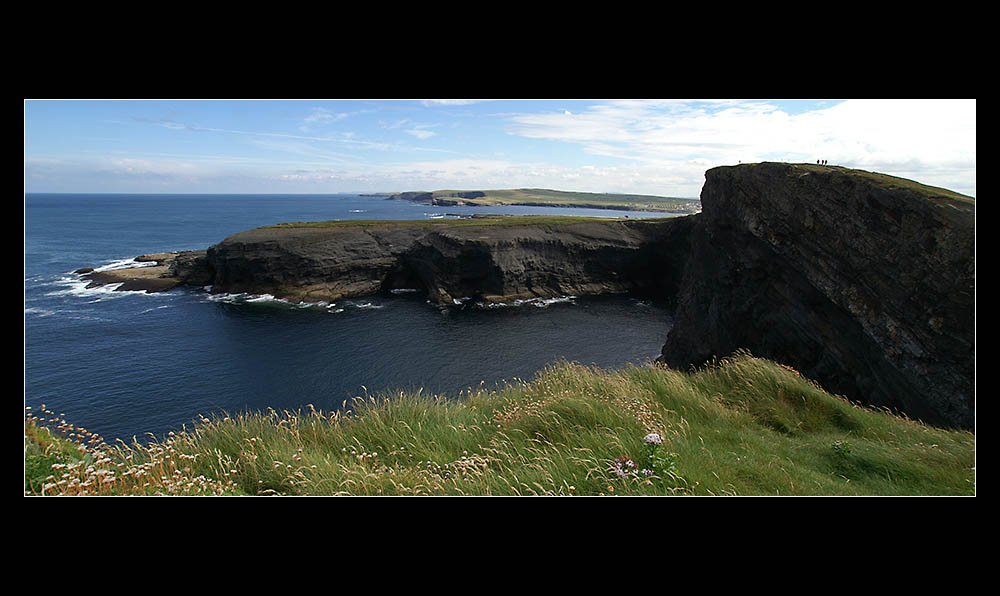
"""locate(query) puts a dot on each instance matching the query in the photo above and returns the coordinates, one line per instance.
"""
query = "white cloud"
(416, 129)
(496, 173)
(641, 146)
(323, 116)
(421, 133)
(449, 102)
(929, 140)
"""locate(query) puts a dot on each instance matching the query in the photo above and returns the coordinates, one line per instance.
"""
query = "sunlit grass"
(742, 427)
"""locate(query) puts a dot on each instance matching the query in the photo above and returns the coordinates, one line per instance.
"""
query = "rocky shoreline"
(862, 282)
(155, 272)
(492, 263)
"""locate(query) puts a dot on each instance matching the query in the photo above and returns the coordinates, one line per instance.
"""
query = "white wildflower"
(654, 438)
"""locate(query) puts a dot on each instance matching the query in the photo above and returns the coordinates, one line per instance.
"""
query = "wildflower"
(653, 438)
(624, 466)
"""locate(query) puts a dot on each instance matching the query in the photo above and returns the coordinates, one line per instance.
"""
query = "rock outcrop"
(492, 261)
(156, 272)
(863, 282)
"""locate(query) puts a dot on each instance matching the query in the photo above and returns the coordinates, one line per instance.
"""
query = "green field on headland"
(553, 198)
(745, 426)
(480, 220)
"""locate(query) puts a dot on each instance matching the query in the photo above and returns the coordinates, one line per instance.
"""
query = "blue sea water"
(131, 364)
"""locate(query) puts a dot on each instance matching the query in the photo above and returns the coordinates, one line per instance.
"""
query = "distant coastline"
(541, 197)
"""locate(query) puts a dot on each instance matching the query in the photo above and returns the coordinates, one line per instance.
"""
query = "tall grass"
(744, 426)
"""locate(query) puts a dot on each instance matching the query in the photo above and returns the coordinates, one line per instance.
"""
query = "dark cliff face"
(494, 263)
(862, 282)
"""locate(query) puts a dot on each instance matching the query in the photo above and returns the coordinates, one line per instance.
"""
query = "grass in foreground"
(743, 427)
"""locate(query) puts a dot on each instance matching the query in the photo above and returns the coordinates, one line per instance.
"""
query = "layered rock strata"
(450, 261)
(491, 262)
(862, 282)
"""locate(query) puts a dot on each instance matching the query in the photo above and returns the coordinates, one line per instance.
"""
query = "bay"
(129, 364)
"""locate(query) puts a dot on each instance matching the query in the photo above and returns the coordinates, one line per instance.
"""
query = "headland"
(865, 283)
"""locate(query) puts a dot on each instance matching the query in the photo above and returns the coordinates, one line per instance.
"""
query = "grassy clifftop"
(484, 220)
(891, 182)
(742, 427)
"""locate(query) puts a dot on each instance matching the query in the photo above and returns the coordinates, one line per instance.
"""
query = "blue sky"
(658, 147)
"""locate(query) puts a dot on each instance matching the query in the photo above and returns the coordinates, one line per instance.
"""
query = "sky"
(653, 147)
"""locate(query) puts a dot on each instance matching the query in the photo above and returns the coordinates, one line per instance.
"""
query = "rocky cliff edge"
(860, 281)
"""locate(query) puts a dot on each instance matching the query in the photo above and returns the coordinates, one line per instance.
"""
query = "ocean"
(130, 365)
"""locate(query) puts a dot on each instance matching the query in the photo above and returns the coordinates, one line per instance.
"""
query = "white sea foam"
(543, 302)
(75, 286)
(125, 264)
(240, 298)
(262, 299)
(226, 298)
(149, 310)
(538, 302)
(246, 298)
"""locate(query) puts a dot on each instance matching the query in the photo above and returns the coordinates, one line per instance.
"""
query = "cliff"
(490, 259)
(860, 281)
(497, 260)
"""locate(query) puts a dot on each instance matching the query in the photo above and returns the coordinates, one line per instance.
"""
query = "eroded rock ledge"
(155, 272)
(492, 262)
(488, 260)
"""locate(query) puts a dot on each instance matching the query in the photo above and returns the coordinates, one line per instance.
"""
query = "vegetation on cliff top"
(889, 182)
(742, 427)
(486, 220)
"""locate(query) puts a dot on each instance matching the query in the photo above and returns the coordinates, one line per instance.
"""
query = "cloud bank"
(641, 146)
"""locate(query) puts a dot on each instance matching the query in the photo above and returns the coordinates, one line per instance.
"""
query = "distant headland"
(541, 197)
